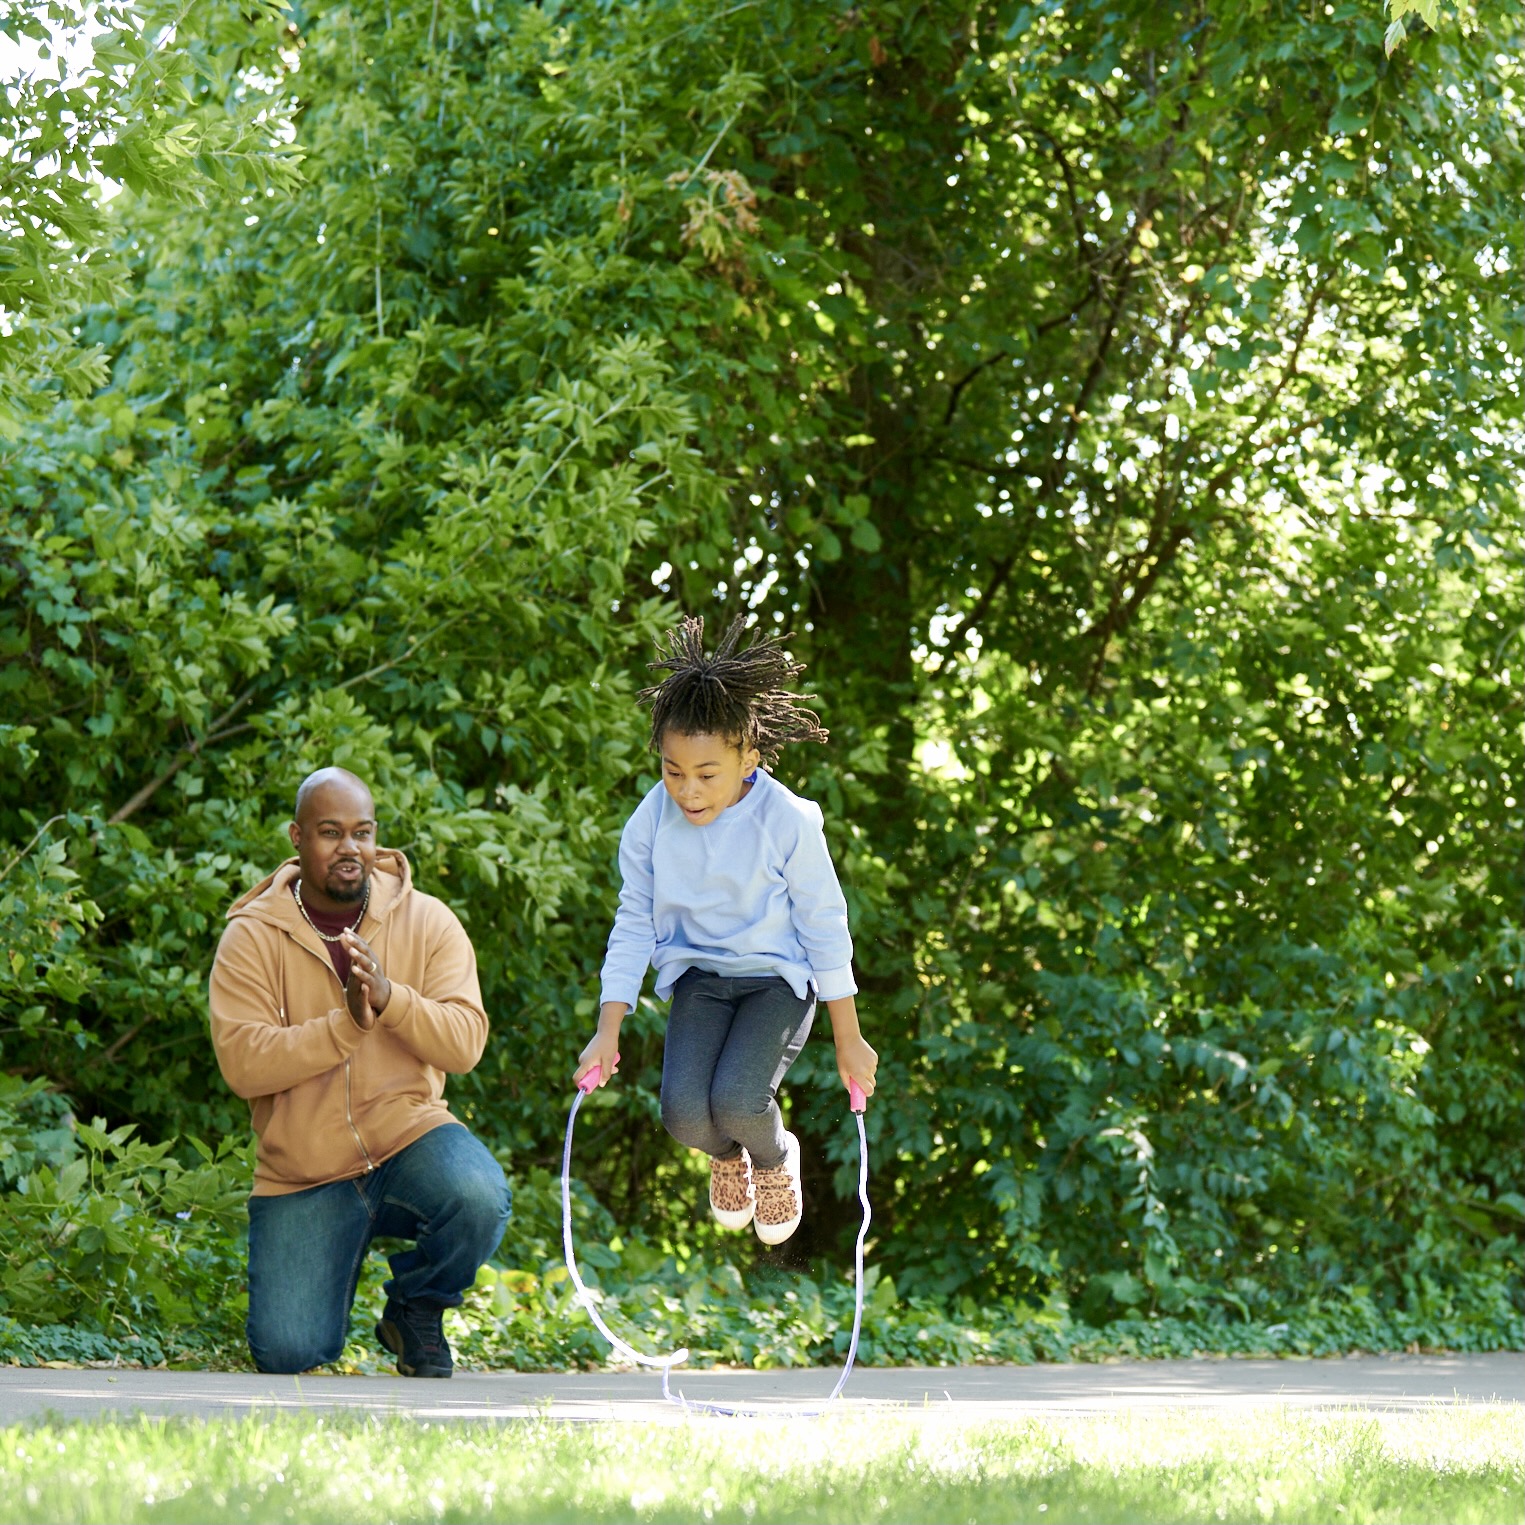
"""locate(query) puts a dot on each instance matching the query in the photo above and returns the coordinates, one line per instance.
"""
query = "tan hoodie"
(330, 1100)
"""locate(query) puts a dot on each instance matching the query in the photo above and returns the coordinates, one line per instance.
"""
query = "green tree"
(170, 99)
(1121, 406)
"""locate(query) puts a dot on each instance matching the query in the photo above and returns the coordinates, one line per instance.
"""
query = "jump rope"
(857, 1102)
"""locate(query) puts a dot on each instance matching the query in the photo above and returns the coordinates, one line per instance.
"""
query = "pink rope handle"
(589, 1082)
(856, 1100)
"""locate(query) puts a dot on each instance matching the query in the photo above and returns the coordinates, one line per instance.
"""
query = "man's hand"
(358, 1002)
(368, 990)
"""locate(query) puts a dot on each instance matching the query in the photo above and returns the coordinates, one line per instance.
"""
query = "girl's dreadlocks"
(740, 692)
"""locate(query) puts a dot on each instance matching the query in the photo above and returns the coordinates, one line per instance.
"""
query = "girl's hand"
(602, 1050)
(856, 1060)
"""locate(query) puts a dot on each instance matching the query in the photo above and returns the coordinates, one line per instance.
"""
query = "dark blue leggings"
(730, 1043)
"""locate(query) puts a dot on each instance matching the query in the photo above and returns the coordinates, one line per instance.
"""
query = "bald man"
(341, 998)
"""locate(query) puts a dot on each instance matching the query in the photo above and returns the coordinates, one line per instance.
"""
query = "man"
(341, 997)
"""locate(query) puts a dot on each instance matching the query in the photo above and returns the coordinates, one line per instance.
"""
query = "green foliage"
(67, 1345)
(34, 1129)
(48, 921)
(165, 104)
(1124, 414)
(1426, 11)
(170, 1291)
(114, 1236)
(523, 1312)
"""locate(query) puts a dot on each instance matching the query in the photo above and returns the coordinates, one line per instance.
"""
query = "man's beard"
(347, 894)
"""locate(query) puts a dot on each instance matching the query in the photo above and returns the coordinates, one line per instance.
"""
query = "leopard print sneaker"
(732, 1200)
(780, 1202)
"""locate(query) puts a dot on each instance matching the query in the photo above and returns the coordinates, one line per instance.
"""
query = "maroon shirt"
(333, 923)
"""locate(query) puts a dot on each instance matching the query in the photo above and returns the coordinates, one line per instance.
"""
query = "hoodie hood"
(271, 900)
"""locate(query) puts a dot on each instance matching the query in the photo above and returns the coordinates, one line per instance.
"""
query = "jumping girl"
(730, 894)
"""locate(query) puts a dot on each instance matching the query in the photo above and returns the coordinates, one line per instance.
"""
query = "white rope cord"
(666, 1363)
(583, 1295)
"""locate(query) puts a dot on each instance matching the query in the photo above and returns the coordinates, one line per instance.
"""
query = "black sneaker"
(415, 1334)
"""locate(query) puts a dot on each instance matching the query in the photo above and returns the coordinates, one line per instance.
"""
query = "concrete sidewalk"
(971, 1393)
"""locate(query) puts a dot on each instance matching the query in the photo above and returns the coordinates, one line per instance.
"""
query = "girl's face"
(705, 774)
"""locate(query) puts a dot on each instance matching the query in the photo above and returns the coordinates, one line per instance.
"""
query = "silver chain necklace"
(297, 888)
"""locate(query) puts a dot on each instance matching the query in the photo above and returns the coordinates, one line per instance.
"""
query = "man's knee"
(284, 1352)
(484, 1195)
(479, 1196)
(289, 1362)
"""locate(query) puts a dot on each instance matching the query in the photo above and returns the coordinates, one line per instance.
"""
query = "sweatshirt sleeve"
(441, 1020)
(633, 939)
(258, 1053)
(819, 908)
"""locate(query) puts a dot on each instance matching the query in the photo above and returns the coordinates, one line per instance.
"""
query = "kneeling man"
(341, 998)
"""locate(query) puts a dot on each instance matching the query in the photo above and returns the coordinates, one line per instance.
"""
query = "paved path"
(970, 1393)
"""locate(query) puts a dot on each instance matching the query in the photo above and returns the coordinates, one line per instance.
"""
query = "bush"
(115, 1251)
(114, 1237)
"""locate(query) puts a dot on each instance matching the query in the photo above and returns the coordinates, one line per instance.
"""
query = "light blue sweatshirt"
(752, 892)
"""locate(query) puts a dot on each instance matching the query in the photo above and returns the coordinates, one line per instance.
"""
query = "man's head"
(334, 835)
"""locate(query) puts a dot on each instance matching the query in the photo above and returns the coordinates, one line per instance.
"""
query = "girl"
(729, 892)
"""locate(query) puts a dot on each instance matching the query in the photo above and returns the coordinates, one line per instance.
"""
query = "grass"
(1465, 1467)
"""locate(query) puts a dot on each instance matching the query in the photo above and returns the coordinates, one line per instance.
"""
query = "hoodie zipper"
(349, 1111)
(349, 1117)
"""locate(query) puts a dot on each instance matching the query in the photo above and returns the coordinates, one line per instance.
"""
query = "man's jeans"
(444, 1191)
(730, 1041)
